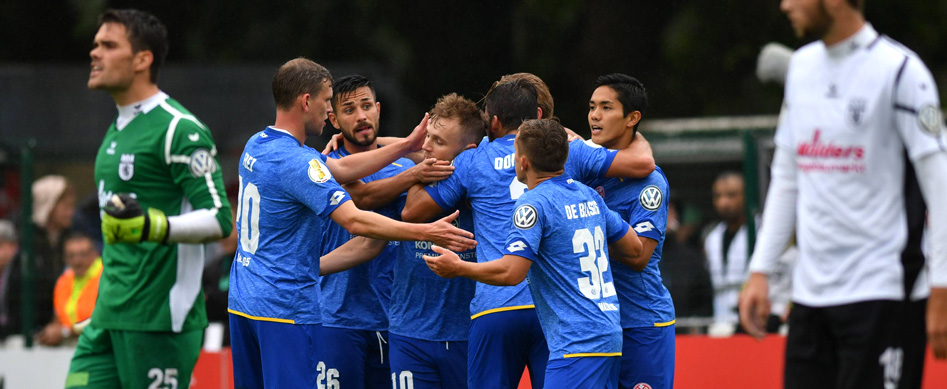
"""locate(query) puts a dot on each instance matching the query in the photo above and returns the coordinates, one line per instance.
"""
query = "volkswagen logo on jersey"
(525, 217)
(126, 167)
(318, 173)
(202, 163)
(650, 198)
(931, 119)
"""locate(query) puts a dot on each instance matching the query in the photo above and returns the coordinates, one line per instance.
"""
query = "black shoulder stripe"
(897, 79)
(904, 108)
(874, 42)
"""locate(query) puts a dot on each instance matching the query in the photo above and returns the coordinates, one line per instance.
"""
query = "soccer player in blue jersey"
(287, 196)
(566, 229)
(430, 316)
(355, 302)
(505, 335)
(647, 311)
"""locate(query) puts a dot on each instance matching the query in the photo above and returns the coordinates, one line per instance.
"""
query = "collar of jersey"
(852, 44)
(279, 132)
(509, 137)
(129, 111)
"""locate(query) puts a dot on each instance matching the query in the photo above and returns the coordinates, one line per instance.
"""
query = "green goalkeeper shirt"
(166, 159)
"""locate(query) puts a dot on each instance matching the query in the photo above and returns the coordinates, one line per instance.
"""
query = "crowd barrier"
(702, 362)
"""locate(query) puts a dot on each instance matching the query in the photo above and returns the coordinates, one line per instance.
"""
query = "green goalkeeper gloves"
(124, 222)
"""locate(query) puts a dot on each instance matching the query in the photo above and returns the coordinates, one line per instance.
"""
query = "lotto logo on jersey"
(650, 198)
(336, 197)
(641, 385)
(516, 246)
(525, 217)
(318, 172)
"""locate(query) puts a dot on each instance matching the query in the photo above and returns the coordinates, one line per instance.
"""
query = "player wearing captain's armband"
(287, 196)
(564, 228)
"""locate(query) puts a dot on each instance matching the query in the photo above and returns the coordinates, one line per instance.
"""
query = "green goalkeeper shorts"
(133, 359)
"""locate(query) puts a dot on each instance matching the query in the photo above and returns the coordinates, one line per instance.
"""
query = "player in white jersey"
(861, 117)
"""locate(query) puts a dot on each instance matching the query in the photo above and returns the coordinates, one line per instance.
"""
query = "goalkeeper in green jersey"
(163, 196)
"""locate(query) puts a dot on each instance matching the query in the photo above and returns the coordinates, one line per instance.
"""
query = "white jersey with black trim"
(854, 114)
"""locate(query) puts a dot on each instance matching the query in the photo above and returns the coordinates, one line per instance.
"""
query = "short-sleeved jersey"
(286, 196)
(166, 159)
(347, 299)
(425, 306)
(487, 177)
(564, 227)
(645, 301)
(851, 114)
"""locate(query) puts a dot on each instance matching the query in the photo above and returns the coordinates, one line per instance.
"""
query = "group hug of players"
(414, 314)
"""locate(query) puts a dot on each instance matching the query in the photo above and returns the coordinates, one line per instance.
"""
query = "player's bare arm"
(419, 206)
(507, 271)
(628, 251)
(634, 161)
(379, 193)
(359, 165)
(639, 262)
(355, 252)
(373, 225)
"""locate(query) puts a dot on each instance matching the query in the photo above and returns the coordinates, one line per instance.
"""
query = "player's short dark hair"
(297, 77)
(545, 143)
(512, 103)
(349, 84)
(145, 32)
(543, 95)
(454, 106)
(631, 93)
(728, 174)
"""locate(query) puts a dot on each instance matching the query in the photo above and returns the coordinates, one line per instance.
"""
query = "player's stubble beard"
(818, 26)
(350, 136)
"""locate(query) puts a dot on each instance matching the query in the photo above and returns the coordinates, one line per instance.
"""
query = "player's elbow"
(643, 166)
(511, 277)
(354, 224)
(411, 214)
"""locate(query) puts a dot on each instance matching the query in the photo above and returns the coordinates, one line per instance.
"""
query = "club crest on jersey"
(318, 172)
(650, 198)
(931, 119)
(126, 167)
(201, 163)
(525, 217)
(641, 385)
(600, 190)
(856, 111)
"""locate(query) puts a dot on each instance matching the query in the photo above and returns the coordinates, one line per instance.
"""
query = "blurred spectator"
(726, 247)
(216, 280)
(684, 271)
(54, 202)
(76, 289)
(88, 219)
(9, 275)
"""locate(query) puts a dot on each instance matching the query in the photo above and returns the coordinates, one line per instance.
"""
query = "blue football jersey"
(486, 176)
(286, 196)
(645, 302)
(564, 227)
(425, 306)
(347, 302)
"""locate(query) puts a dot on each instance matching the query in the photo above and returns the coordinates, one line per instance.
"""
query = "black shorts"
(872, 344)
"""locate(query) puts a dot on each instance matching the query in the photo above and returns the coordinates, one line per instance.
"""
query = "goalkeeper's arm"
(125, 222)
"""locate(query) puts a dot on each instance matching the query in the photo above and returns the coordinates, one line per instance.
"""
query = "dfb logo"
(525, 217)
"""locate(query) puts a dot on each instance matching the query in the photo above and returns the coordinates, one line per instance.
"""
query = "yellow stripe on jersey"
(665, 324)
(287, 321)
(504, 309)
(580, 355)
(396, 164)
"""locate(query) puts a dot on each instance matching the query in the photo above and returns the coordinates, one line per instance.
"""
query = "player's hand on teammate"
(937, 322)
(125, 222)
(754, 305)
(416, 138)
(572, 135)
(446, 265)
(445, 234)
(431, 170)
(333, 144)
